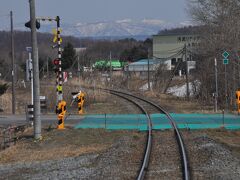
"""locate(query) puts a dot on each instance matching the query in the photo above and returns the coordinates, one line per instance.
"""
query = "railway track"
(144, 170)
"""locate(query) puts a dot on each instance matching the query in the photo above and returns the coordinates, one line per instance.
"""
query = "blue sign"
(225, 61)
(225, 54)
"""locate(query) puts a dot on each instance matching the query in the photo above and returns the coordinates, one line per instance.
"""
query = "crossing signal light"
(56, 62)
(28, 24)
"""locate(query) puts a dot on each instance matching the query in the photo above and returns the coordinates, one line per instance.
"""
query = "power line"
(4, 15)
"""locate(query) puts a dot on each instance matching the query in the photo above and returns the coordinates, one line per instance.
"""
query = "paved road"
(6, 120)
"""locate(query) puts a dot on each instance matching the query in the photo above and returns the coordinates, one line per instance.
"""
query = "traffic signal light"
(28, 24)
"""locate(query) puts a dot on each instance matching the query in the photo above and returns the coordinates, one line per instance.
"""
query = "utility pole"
(47, 68)
(148, 70)
(13, 66)
(127, 76)
(225, 78)
(78, 70)
(238, 84)
(36, 91)
(110, 58)
(187, 73)
(216, 83)
(234, 88)
(30, 68)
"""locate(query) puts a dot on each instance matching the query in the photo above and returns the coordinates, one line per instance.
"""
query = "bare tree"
(220, 20)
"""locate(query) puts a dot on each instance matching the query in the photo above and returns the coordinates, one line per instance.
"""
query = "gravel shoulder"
(100, 154)
(74, 154)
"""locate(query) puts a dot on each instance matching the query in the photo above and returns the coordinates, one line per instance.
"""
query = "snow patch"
(180, 91)
(145, 87)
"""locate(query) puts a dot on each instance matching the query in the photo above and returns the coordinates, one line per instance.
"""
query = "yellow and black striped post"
(60, 103)
(59, 71)
(59, 81)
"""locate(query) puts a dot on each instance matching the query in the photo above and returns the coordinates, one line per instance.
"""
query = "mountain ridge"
(118, 28)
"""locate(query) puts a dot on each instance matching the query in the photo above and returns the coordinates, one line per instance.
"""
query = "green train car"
(105, 64)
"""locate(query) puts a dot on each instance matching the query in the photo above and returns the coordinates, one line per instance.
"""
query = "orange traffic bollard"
(238, 101)
(80, 98)
(61, 113)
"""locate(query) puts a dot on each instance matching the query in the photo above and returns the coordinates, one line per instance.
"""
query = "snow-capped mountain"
(126, 27)
(119, 28)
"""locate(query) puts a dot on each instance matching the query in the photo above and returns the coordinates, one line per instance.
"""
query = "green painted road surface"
(160, 121)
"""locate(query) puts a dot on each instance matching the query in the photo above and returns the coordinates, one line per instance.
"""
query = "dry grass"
(59, 144)
(19, 153)
(179, 105)
(97, 97)
(6, 102)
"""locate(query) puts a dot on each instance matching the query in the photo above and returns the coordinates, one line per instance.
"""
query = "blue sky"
(87, 11)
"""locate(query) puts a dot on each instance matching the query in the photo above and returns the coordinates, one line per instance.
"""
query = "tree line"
(125, 49)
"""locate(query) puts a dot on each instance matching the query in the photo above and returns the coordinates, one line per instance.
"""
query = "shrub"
(3, 88)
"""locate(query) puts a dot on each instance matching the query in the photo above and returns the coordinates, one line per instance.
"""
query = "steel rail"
(184, 159)
(148, 148)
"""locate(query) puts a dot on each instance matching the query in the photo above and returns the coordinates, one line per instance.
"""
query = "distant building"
(104, 64)
(140, 67)
(169, 48)
(80, 50)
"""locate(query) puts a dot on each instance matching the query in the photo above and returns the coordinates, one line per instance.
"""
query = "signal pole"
(225, 80)
(216, 85)
(187, 73)
(36, 91)
(78, 70)
(13, 65)
(110, 58)
(148, 73)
